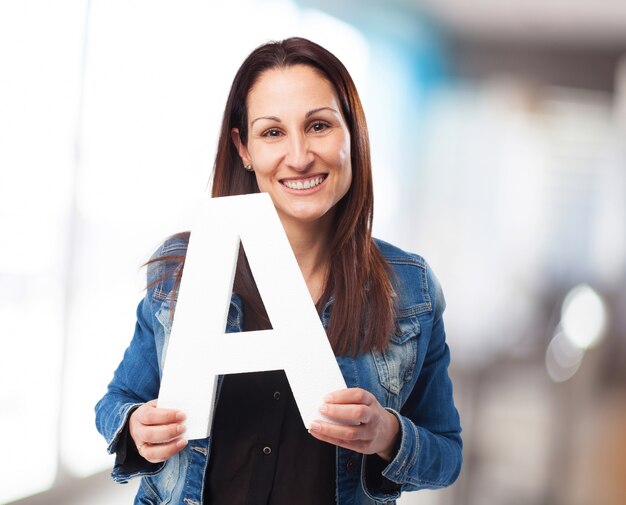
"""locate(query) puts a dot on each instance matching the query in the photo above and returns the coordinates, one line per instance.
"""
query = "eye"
(319, 126)
(272, 132)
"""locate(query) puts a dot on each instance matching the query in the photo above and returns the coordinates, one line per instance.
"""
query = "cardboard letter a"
(199, 350)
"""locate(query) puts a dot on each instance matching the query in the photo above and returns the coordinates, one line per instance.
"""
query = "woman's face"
(298, 144)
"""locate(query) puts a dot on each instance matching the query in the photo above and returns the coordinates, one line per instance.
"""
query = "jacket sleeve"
(135, 382)
(429, 452)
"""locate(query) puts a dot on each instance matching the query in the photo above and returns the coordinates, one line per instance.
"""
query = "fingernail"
(180, 428)
(323, 409)
(181, 443)
(315, 426)
(180, 416)
(328, 398)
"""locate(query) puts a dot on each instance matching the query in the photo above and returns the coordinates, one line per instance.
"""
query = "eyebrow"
(311, 112)
(308, 114)
(271, 118)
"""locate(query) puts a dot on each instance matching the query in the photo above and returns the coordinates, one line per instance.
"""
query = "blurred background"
(498, 132)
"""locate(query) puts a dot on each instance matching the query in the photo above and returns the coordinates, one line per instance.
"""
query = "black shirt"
(261, 453)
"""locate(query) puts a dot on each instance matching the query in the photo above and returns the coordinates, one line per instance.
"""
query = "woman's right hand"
(157, 432)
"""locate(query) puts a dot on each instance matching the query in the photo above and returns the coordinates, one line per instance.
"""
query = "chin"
(306, 216)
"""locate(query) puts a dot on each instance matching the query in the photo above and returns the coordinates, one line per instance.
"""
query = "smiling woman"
(294, 127)
(298, 147)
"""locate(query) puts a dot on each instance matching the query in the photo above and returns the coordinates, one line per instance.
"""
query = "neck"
(310, 243)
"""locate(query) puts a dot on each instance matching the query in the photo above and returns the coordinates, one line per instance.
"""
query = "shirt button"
(267, 450)
(277, 395)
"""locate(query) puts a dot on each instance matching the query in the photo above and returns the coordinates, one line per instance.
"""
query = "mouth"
(304, 183)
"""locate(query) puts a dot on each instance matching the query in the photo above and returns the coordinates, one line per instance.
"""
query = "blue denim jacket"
(410, 378)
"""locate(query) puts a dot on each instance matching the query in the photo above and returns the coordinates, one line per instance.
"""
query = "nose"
(299, 156)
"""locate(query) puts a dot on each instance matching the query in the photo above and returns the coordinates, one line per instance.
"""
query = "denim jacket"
(409, 378)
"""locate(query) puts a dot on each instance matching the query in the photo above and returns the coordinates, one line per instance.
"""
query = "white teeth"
(308, 184)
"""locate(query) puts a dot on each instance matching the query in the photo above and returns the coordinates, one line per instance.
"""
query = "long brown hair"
(358, 278)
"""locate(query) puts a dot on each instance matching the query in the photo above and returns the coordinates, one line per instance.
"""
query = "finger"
(347, 413)
(356, 445)
(339, 432)
(150, 414)
(157, 453)
(158, 434)
(350, 395)
(326, 438)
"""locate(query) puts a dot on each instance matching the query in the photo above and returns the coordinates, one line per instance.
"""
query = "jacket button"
(267, 450)
(277, 395)
(350, 465)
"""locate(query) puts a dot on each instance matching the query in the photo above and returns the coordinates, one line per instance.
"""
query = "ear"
(241, 148)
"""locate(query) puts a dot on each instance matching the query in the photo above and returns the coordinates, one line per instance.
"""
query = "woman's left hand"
(364, 425)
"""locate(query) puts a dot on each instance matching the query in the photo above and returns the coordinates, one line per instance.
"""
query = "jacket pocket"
(146, 494)
(158, 488)
(396, 364)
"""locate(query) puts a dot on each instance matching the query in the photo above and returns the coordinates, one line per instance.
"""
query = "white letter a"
(199, 350)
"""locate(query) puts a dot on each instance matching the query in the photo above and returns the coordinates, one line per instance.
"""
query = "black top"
(261, 453)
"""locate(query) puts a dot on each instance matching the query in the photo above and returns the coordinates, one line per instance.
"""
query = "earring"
(248, 167)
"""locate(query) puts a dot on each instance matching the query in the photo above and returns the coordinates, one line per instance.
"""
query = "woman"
(293, 127)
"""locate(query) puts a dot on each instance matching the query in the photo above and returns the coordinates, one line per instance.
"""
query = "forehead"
(291, 88)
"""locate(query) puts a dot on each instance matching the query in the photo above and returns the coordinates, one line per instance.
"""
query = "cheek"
(344, 172)
(343, 166)
(262, 169)
(345, 161)
(263, 181)
(338, 153)
(265, 156)
(348, 177)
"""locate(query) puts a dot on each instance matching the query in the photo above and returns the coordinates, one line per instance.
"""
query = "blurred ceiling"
(573, 43)
(598, 23)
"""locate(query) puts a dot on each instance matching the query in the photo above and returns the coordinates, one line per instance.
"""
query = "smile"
(301, 184)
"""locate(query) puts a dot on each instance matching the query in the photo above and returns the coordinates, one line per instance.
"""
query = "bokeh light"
(583, 317)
